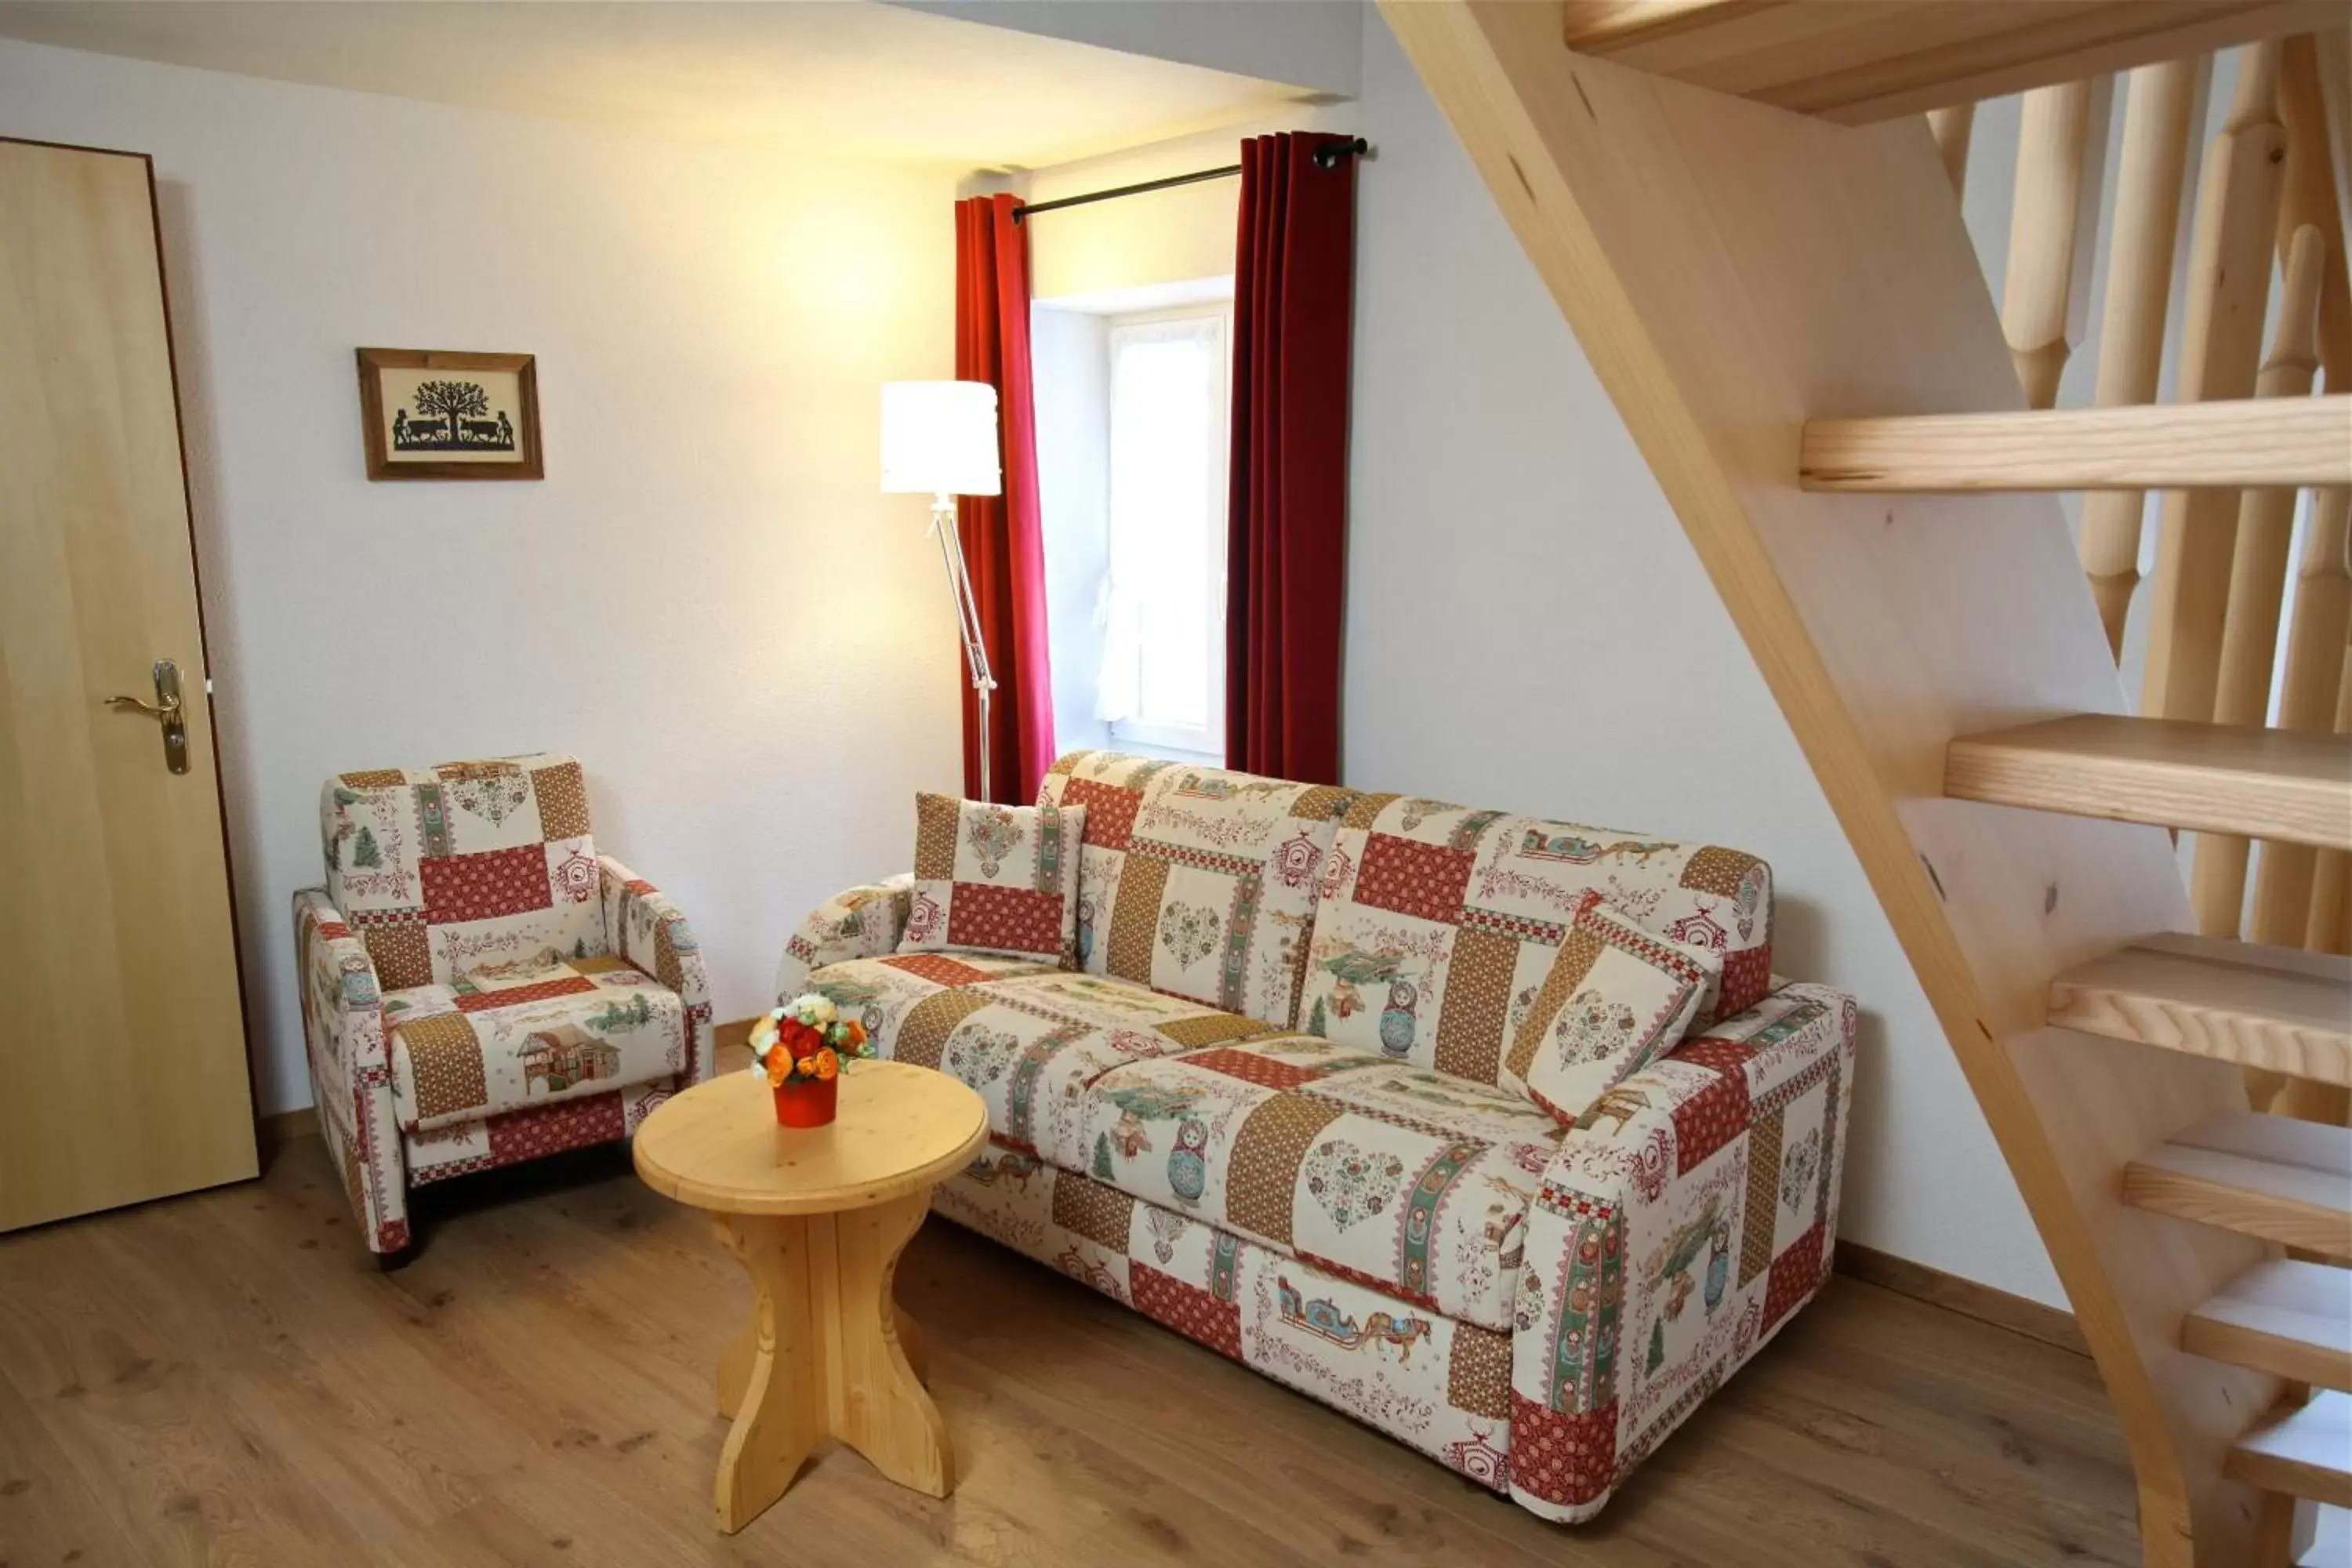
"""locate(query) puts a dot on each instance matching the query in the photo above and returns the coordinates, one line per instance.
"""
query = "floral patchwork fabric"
(478, 985)
(1197, 881)
(1615, 1000)
(1439, 924)
(442, 869)
(530, 1033)
(1433, 1382)
(1690, 1212)
(999, 879)
(1401, 1179)
(863, 922)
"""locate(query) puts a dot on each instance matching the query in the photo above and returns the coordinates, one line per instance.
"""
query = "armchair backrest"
(442, 871)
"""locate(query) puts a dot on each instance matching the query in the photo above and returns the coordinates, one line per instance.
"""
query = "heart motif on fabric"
(1591, 1028)
(1351, 1184)
(1189, 933)
(979, 1057)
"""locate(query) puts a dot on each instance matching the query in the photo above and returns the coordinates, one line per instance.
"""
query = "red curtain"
(1287, 527)
(1004, 546)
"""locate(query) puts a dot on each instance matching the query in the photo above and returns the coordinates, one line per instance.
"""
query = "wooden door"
(122, 1066)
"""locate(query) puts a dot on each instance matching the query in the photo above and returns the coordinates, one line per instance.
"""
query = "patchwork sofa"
(480, 986)
(1265, 1109)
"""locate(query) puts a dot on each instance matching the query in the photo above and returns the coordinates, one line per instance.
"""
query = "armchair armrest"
(342, 1005)
(643, 926)
(1683, 1218)
(865, 922)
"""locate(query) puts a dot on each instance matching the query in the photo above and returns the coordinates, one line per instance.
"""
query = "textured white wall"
(707, 599)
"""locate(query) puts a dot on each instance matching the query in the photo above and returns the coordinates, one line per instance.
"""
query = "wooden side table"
(818, 1217)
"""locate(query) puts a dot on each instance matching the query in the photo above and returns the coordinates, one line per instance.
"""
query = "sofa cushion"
(441, 869)
(1615, 1000)
(1438, 923)
(526, 1034)
(1001, 879)
(1197, 881)
(1405, 1179)
(1026, 1037)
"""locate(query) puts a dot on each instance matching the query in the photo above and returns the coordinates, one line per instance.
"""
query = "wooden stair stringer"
(1732, 271)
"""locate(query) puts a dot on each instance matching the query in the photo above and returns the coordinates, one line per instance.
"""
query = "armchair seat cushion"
(526, 1034)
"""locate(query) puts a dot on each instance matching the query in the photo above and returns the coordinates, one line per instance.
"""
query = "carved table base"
(826, 1352)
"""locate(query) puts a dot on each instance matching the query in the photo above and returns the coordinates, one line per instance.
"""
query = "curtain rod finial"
(1329, 157)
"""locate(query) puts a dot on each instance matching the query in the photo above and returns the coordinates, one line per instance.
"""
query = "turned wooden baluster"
(2061, 155)
(2161, 103)
(2229, 286)
(2217, 883)
(2308, 685)
(1952, 127)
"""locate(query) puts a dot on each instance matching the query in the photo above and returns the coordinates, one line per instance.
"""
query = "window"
(1163, 670)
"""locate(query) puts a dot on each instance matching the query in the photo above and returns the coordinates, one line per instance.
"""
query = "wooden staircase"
(1746, 218)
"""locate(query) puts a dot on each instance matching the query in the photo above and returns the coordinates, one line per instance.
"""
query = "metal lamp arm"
(975, 646)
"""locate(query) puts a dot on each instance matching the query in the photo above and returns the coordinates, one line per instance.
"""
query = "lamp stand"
(975, 646)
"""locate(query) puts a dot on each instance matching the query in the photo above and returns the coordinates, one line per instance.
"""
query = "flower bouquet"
(802, 1047)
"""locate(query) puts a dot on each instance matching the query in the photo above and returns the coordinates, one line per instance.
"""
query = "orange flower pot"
(807, 1102)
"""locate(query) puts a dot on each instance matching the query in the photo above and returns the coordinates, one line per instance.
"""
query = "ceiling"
(841, 75)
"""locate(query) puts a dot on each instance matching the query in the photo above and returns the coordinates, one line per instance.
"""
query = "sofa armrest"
(342, 1005)
(643, 926)
(1683, 1218)
(863, 922)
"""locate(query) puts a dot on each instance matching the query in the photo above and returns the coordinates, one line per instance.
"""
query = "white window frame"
(1207, 740)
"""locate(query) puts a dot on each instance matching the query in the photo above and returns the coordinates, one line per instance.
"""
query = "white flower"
(814, 1010)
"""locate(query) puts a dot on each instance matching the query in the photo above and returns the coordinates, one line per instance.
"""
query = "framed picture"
(431, 415)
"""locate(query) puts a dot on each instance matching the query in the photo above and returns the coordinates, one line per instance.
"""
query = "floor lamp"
(939, 438)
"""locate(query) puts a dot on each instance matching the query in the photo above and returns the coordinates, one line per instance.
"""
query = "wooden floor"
(226, 1378)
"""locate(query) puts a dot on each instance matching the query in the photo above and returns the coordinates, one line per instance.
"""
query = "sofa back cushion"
(442, 869)
(1197, 881)
(1438, 923)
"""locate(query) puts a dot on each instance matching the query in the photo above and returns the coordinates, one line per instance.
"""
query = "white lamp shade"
(938, 437)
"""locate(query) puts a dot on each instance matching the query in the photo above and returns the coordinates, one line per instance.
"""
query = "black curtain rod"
(1324, 158)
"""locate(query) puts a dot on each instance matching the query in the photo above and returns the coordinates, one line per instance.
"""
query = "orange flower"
(806, 1066)
(857, 1033)
(777, 1066)
(827, 1064)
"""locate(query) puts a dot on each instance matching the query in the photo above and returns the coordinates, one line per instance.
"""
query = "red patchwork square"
(937, 968)
(1187, 1308)
(1251, 1068)
(515, 996)
(983, 914)
(1111, 811)
(1796, 1273)
(1410, 878)
(1568, 1460)
(1746, 980)
(486, 884)
(546, 1129)
(1716, 1114)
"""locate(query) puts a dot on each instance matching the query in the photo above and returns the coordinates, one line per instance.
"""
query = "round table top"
(899, 1130)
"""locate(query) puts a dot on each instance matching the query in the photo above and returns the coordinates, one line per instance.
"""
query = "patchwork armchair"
(480, 986)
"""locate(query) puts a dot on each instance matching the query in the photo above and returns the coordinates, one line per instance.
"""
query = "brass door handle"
(167, 710)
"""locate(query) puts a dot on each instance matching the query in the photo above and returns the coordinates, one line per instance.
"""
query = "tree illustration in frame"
(440, 414)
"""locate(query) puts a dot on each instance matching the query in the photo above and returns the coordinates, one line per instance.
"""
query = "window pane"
(1167, 512)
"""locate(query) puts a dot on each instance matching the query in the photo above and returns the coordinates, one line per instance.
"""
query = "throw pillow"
(1616, 999)
(995, 879)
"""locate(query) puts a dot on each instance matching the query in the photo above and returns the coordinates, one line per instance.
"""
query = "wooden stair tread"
(2214, 778)
(2281, 1009)
(2232, 442)
(2305, 1453)
(2270, 1176)
(1856, 63)
(2285, 1317)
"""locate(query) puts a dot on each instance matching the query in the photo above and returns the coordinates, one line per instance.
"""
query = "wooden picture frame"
(461, 426)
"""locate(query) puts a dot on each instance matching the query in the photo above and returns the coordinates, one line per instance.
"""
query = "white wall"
(707, 599)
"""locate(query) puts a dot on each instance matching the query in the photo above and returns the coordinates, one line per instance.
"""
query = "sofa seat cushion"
(529, 1033)
(1405, 1179)
(1028, 1038)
